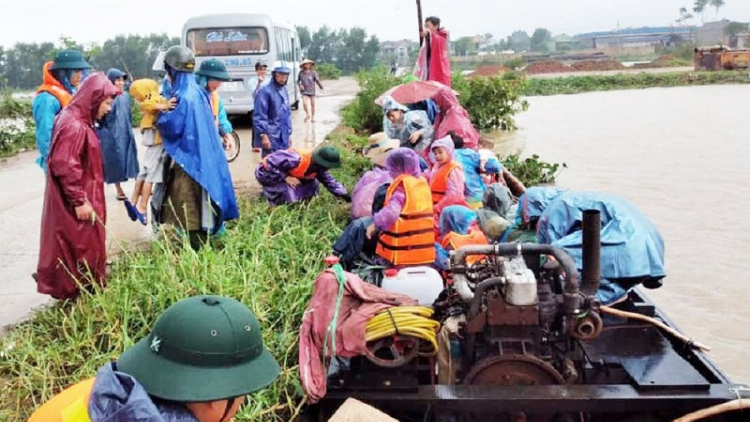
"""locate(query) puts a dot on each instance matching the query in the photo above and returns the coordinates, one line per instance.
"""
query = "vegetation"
(578, 84)
(350, 50)
(532, 170)
(16, 126)
(328, 71)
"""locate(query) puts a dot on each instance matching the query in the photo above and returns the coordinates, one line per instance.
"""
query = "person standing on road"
(210, 76)
(272, 113)
(71, 244)
(307, 80)
(199, 194)
(259, 80)
(61, 78)
(118, 142)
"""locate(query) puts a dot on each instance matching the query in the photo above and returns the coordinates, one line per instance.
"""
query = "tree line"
(350, 50)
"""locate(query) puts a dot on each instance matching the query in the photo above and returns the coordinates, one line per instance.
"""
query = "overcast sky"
(97, 20)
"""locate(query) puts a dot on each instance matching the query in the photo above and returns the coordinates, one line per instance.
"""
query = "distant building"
(562, 42)
(713, 33)
(637, 37)
(397, 51)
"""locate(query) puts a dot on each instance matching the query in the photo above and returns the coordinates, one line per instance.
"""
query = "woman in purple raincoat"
(293, 175)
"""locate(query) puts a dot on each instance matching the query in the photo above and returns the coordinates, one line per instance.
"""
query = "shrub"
(492, 101)
(328, 71)
(363, 114)
(16, 125)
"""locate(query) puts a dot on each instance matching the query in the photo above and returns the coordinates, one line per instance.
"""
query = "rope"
(729, 406)
(413, 321)
(331, 330)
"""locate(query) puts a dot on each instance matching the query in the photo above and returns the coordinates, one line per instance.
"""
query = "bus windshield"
(228, 41)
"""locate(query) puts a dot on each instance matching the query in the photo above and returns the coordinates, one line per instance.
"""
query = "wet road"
(22, 191)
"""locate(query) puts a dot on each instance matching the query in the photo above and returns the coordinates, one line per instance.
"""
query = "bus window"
(228, 41)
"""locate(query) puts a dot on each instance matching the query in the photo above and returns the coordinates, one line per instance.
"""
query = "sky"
(87, 21)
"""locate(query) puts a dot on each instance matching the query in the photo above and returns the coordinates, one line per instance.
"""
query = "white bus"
(240, 40)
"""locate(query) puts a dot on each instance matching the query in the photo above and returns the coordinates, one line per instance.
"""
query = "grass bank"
(16, 125)
(588, 83)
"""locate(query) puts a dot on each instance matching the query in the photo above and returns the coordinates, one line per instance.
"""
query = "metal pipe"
(591, 252)
(461, 284)
(479, 293)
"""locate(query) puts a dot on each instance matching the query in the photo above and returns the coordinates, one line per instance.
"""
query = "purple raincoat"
(400, 161)
(276, 167)
(364, 192)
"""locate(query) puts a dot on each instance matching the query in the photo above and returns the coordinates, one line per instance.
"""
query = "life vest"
(53, 86)
(473, 237)
(410, 240)
(439, 183)
(302, 167)
(215, 107)
(71, 405)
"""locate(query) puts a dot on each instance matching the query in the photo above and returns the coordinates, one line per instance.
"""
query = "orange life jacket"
(71, 405)
(411, 240)
(439, 183)
(474, 237)
(215, 107)
(302, 167)
(53, 86)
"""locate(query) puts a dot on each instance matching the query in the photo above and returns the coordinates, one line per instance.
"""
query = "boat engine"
(512, 321)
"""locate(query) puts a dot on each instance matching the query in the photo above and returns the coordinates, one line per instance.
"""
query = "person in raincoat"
(71, 244)
(632, 250)
(293, 175)
(118, 142)
(272, 113)
(404, 226)
(433, 63)
(61, 78)
(411, 127)
(204, 355)
(258, 81)
(458, 228)
(454, 118)
(364, 191)
(447, 180)
(199, 190)
(210, 75)
(473, 167)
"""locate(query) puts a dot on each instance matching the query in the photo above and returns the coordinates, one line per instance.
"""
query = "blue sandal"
(132, 211)
(141, 217)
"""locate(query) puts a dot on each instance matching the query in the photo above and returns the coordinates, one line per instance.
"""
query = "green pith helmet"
(214, 69)
(202, 348)
(69, 59)
(327, 156)
(180, 58)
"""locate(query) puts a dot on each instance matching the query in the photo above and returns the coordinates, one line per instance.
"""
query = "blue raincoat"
(470, 163)
(119, 153)
(44, 108)
(192, 141)
(118, 397)
(225, 126)
(272, 115)
(454, 218)
(632, 248)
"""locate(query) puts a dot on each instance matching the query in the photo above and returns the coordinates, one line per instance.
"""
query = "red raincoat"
(453, 117)
(439, 66)
(71, 249)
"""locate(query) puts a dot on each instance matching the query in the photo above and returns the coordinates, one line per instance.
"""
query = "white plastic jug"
(424, 284)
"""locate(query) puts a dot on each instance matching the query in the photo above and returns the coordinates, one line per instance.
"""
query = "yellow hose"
(413, 321)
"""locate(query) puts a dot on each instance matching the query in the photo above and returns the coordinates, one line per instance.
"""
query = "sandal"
(121, 197)
(132, 211)
(141, 217)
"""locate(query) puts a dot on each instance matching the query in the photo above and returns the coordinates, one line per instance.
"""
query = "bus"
(240, 40)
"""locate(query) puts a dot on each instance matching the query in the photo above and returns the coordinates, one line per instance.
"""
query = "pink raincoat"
(453, 117)
(360, 302)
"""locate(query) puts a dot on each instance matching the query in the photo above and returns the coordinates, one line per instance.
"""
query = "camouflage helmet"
(180, 58)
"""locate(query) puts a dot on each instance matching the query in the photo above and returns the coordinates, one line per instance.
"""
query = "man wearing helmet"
(272, 114)
(199, 190)
(204, 355)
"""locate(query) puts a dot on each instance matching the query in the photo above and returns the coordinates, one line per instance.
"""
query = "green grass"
(268, 260)
(588, 83)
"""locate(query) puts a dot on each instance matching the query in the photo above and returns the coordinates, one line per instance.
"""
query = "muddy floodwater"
(682, 155)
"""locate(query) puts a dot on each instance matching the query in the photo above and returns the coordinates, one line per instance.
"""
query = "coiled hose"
(411, 321)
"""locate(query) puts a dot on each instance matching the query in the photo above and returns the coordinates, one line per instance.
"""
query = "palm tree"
(717, 4)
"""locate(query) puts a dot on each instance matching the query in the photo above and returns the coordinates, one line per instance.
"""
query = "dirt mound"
(666, 60)
(547, 67)
(490, 71)
(596, 65)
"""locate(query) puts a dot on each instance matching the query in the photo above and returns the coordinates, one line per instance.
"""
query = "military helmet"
(202, 348)
(180, 58)
(214, 69)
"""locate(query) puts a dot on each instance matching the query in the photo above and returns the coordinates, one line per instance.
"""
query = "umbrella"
(412, 92)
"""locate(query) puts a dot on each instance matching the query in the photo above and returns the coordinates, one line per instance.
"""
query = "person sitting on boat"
(293, 175)
(458, 228)
(447, 180)
(454, 118)
(204, 355)
(473, 168)
(412, 127)
(210, 75)
(404, 225)
(364, 191)
(632, 249)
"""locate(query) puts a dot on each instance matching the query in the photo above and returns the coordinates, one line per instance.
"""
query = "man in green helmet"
(210, 75)
(204, 355)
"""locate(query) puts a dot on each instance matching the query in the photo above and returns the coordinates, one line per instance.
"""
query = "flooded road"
(22, 192)
(682, 156)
